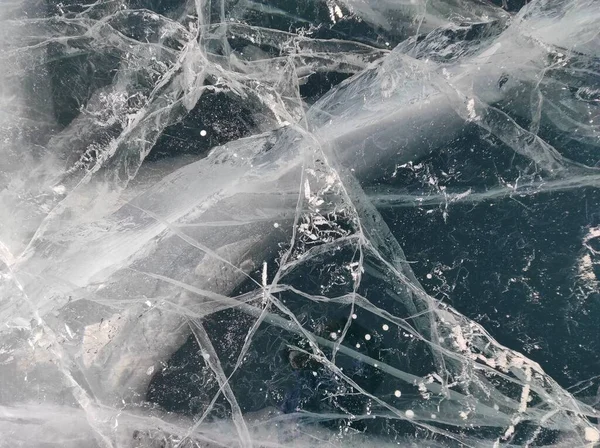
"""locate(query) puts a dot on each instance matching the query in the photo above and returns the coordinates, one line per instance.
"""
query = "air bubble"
(592, 434)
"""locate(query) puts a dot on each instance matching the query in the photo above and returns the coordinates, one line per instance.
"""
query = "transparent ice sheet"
(169, 179)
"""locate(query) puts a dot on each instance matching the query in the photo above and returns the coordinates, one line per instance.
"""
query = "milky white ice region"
(266, 251)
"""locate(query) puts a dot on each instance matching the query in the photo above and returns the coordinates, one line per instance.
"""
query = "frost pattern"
(261, 242)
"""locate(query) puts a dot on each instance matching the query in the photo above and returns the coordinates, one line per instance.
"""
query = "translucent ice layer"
(205, 209)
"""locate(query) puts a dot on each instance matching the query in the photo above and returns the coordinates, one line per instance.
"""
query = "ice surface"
(204, 206)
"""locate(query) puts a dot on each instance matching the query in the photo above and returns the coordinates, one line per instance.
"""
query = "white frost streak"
(526, 390)
(459, 338)
(264, 283)
(471, 109)
(306, 189)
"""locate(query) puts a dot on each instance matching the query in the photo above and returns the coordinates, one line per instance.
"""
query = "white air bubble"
(409, 414)
(367, 337)
(592, 434)
(385, 327)
(203, 133)
(397, 394)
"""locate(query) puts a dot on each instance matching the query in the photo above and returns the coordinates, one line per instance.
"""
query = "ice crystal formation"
(252, 223)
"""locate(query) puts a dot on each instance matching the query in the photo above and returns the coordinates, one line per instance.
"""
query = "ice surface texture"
(212, 197)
